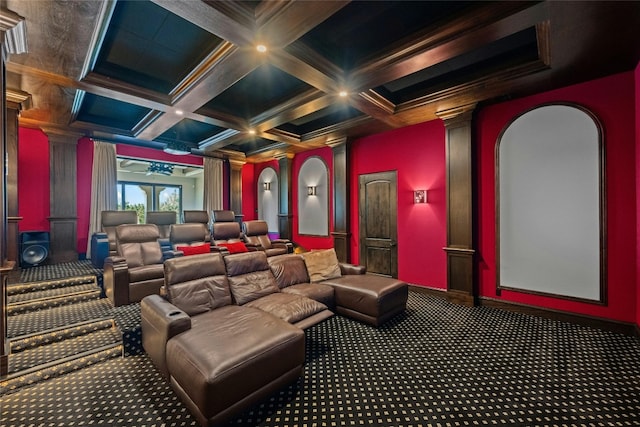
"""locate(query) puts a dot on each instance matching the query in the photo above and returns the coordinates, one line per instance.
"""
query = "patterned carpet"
(437, 365)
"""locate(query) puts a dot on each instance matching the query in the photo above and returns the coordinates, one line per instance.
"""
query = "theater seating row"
(133, 262)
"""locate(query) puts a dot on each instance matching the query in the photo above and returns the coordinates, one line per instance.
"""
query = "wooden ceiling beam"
(418, 55)
(285, 22)
(230, 21)
(213, 82)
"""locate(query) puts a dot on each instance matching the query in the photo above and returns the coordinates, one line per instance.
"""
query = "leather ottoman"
(369, 298)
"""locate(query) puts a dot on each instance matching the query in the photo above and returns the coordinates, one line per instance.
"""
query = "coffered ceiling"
(152, 73)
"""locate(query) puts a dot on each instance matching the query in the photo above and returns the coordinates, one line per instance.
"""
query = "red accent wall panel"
(249, 196)
(611, 99)
(417, 153)
(637, 259)
(311, 242)
(84, 159)
(33, 179)
(153, 154)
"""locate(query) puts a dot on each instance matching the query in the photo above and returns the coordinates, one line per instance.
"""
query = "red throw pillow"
(235, 247)
(195, 249)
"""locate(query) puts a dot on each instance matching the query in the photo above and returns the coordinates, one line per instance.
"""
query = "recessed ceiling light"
(342, 93)
(252, 131)
(179, 112)
(261, 48)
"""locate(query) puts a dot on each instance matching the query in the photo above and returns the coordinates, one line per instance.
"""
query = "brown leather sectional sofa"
(229, 331)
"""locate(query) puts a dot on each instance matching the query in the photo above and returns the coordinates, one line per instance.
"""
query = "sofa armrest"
(165, 244)
(347, 269)
(99, 249)
(253, 247)
(219, 249)
(283, 243)
(171, 254)
(116, 280)
(160, 321)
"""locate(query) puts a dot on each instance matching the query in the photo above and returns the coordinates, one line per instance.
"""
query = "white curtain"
(213, 183)
(104, 180)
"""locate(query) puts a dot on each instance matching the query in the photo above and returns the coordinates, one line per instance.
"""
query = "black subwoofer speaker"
(34, 248)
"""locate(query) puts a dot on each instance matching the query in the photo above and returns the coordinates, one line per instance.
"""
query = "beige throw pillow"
(322, 265)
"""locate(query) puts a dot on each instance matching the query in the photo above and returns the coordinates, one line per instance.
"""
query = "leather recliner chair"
(256, 235)
(103, 244)
(164, 220)
(201, 217)
(189, 234)
(137, 270)
(223, 216)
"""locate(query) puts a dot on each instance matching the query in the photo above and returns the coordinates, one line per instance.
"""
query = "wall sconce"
(266, 186)
(419, 196)
(311, 190)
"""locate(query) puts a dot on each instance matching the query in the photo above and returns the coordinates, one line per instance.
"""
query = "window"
(142, 197)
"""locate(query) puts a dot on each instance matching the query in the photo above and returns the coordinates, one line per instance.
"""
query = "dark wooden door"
(378, 223)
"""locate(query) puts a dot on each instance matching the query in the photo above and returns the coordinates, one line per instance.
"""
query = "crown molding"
(15, 32)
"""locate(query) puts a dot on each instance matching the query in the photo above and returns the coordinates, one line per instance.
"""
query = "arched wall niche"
(268, 198)
(551, 210)
(313, 197)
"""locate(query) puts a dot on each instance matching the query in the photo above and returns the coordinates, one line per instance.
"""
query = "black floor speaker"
(34, 248)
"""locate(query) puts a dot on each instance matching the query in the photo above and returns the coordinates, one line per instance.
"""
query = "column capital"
(457, 114)
(61, 136)
(237, 163)
(281, 156)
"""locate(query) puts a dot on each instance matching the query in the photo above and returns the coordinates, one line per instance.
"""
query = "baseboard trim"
(625, 328)
(548, 313)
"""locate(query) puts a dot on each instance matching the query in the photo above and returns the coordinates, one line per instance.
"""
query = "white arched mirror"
(550, 212)
(313, 198)
(268, 198)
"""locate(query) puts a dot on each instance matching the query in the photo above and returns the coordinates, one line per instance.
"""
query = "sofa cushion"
(249, 276)
(197, 283)
(204, 248)
(322, 265)
(288, 270)
(234, 247)
(316, 291)
(250, 286)
(289, 307)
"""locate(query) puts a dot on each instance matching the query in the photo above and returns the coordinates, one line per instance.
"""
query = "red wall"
(33, 179)
(249, 196)
(637, 282)
(611, 99)
(311, 242)
(417, 153)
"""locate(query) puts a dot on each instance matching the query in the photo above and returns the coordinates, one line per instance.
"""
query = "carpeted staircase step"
(39, 300)
(57, 317)
(60, 345)
(55, 368)
(22, 288)
(43, 338)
